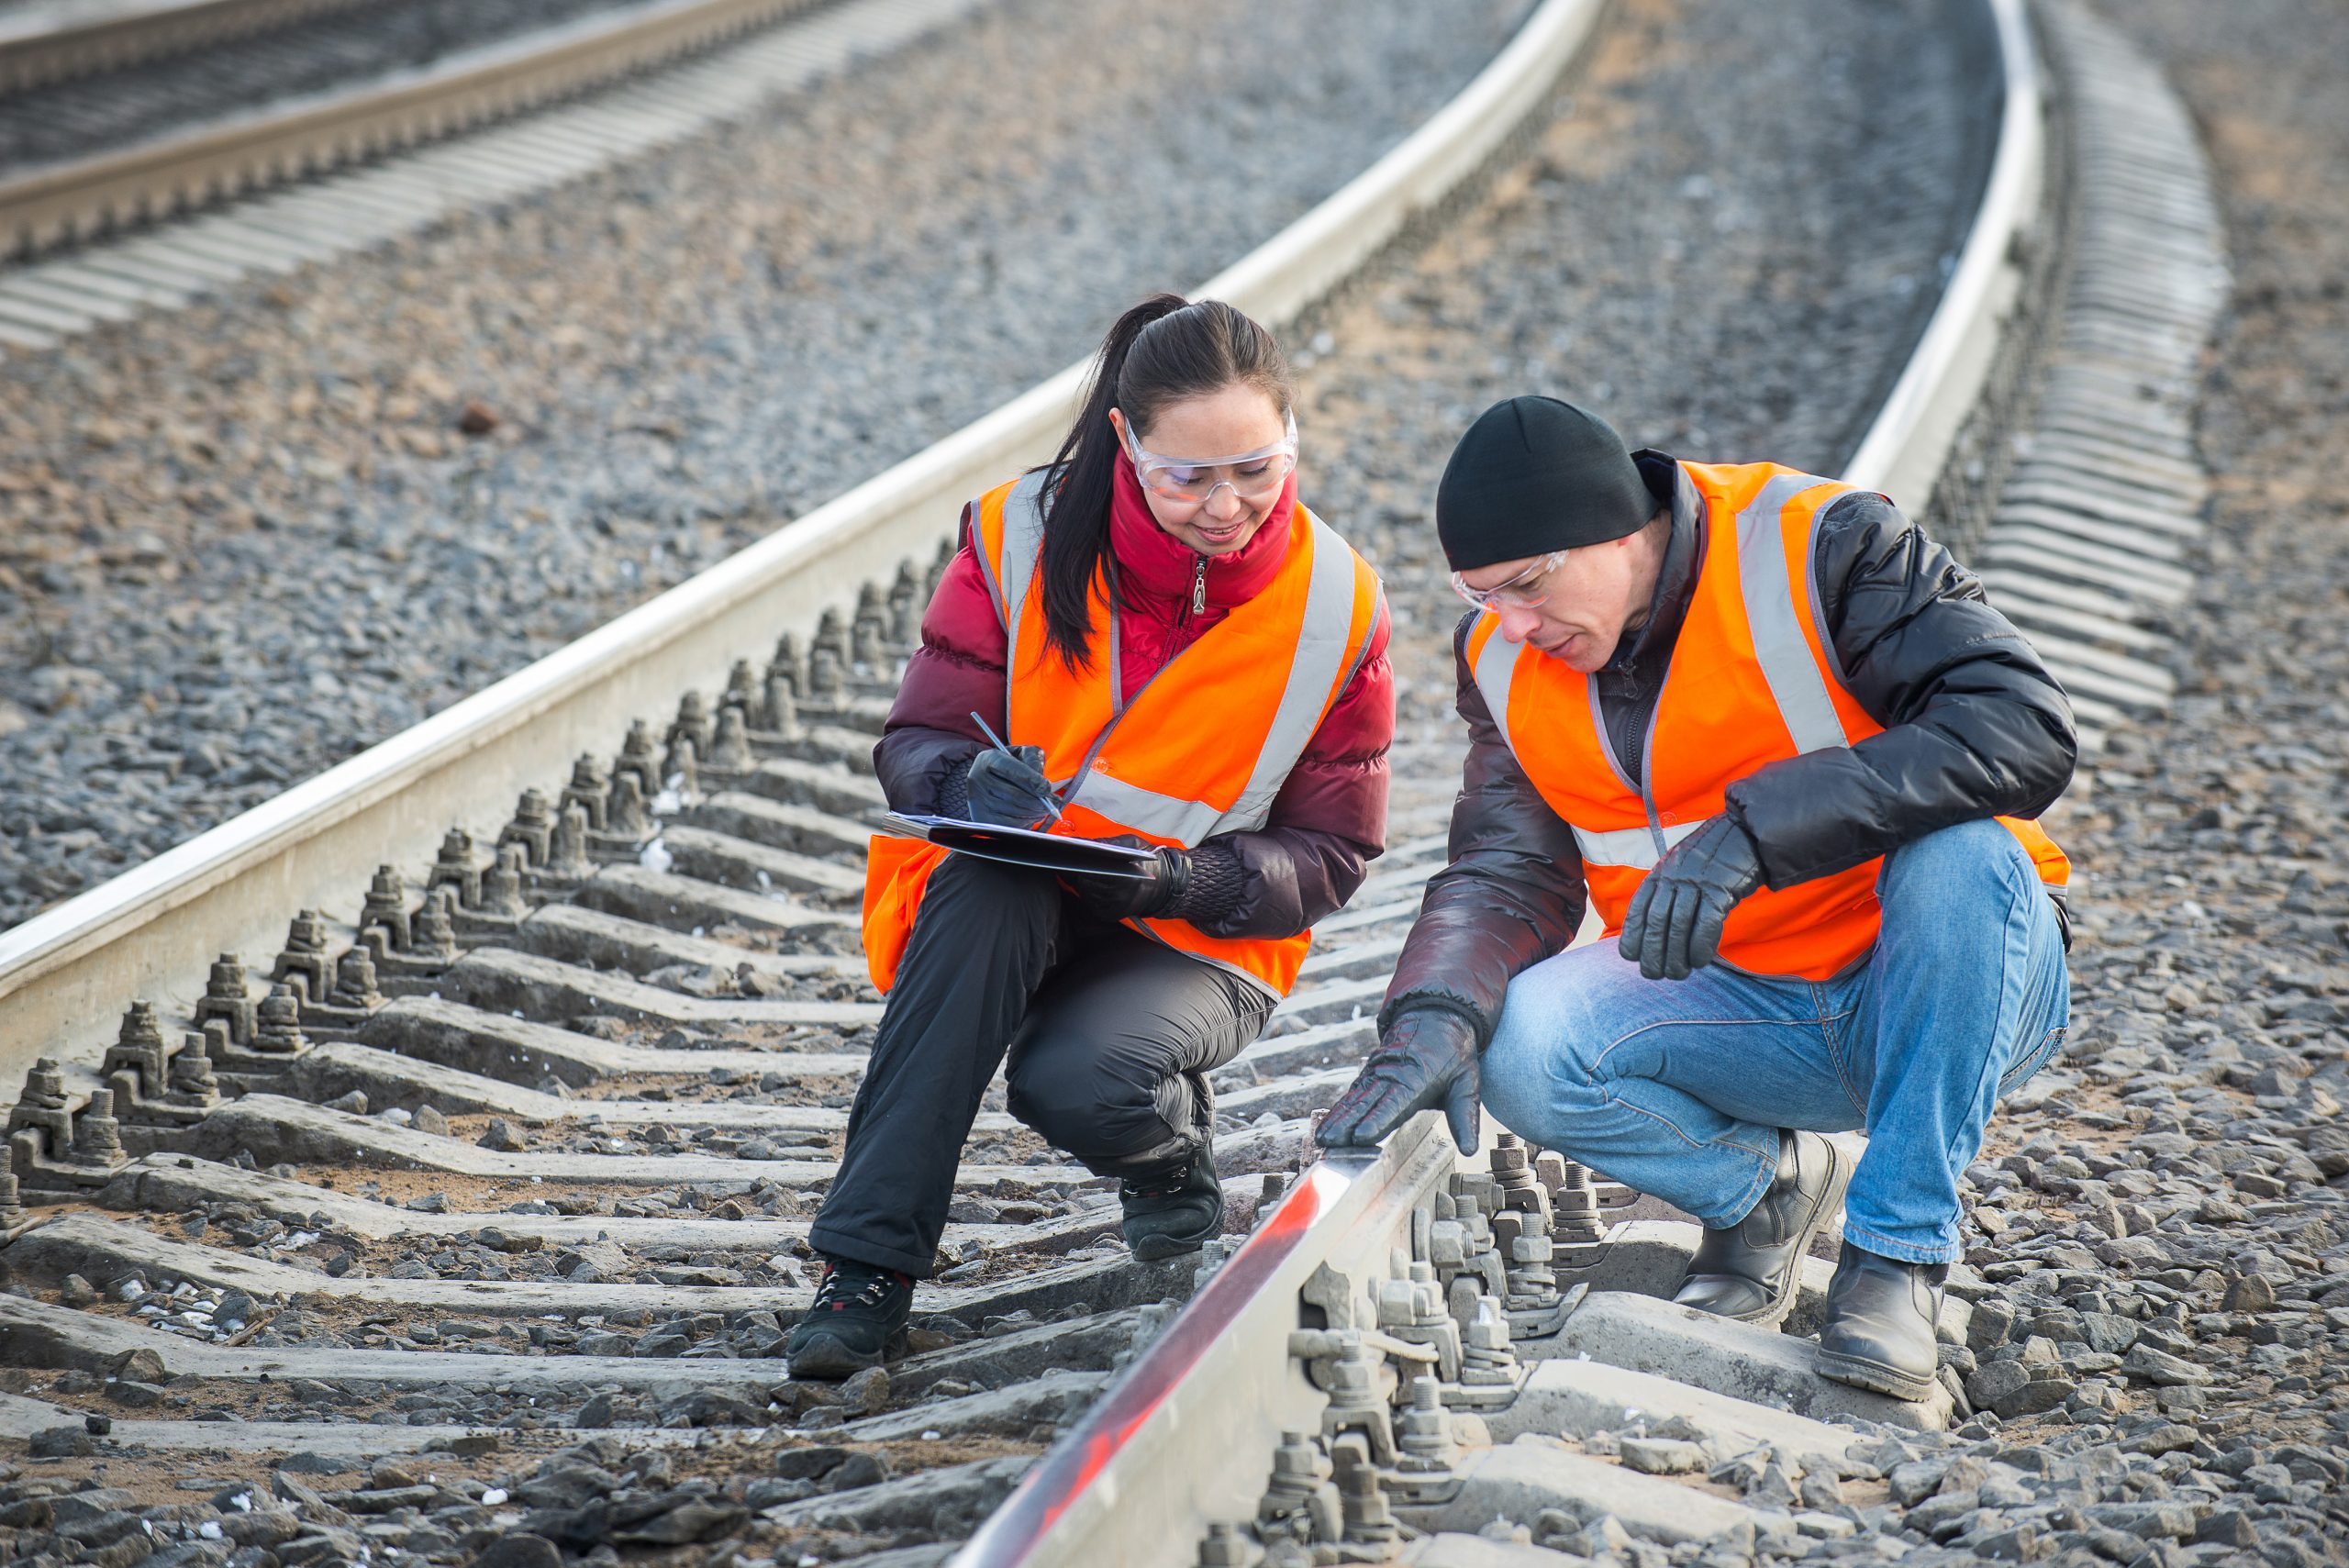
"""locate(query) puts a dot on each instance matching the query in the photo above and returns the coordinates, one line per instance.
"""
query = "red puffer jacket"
(1328, 822)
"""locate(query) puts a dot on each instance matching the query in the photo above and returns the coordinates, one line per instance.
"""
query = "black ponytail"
(1161, 352)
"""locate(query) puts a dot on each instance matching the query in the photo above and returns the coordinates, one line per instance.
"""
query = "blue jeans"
(1678, 1088)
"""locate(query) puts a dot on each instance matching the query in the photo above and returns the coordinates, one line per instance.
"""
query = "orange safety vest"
(1201, 750)
(1751, 681)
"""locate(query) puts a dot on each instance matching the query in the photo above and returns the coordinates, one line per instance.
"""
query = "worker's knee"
(1973, 866)
(1094, 1101)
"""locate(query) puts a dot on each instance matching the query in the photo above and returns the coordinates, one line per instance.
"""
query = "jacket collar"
(1153, 566)
(1668, 606)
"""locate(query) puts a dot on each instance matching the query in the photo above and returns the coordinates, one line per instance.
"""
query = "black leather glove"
(1008, 789)
(1674, 926)
(1426, 1057)
(1132, 899)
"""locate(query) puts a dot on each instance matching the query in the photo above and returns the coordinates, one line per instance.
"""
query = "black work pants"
(1110, 1038)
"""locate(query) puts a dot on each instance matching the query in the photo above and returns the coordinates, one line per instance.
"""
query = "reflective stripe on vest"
(1813, 929)
(1023, 527)
(1496, 670)
(1633, 846)
(1779, 646)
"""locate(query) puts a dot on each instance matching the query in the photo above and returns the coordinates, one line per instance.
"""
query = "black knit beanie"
(1535, 474)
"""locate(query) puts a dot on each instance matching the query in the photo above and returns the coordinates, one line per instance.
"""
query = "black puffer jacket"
(1975, 726)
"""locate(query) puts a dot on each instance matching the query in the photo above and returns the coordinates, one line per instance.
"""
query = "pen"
(988, 731)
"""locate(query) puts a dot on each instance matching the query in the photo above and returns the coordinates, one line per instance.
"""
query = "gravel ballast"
(2156, 1257)
(241, 542)
(2172, 1226)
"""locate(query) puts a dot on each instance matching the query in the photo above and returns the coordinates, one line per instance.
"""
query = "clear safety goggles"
(1255, 477)
(1525, 591)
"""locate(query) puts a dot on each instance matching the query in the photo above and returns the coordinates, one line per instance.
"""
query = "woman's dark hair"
(1163, 351)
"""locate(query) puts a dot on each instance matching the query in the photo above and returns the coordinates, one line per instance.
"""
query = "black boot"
(1176, 1212)
(1880, 1317)
(858, 1312)
(1750, 1271)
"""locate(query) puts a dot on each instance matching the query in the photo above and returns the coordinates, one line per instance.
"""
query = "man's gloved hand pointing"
(1426, 1057)
(1674, 926)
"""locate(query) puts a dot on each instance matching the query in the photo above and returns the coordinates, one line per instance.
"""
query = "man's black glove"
(1159, 889)
(1427, 1057)
(1008, 789)
(1675, 923)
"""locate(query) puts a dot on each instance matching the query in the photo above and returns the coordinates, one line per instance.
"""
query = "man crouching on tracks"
(1777, 736)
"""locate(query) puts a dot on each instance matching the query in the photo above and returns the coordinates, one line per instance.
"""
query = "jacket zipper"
(1647, 786)
(1645, 712)
(1637, 732)
(1198, 603)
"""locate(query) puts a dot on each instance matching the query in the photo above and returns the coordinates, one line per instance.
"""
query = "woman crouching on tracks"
(1178, 654)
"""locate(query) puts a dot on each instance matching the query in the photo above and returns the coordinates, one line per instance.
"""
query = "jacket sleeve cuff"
(1441, 1002)
(953, 795)
(1777, 806)
(1217, 880)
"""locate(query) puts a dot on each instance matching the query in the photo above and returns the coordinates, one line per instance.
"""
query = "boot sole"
(1152, 1248)
(827, 1359)
(1874, 1377)
(1831, 1198)
(1156, 1247)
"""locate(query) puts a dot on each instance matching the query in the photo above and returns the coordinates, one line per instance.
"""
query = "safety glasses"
(1255, 477)
(1525, 591)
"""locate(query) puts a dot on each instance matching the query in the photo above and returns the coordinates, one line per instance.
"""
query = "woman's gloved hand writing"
(1008, 789)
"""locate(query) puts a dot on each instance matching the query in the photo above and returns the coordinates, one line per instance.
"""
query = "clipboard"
(1024, 845)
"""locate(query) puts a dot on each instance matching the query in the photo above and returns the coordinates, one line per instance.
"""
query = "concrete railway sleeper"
(482, 1212)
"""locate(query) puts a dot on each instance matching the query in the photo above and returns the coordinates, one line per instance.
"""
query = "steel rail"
(60, 202)
(54, 42)
(1176, 1412)
(1210, 1399)
(1908, 441)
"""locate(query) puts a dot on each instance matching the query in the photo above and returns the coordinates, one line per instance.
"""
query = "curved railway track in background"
(52, 204)
(354, 198)
(56, 41)
(514, 1168)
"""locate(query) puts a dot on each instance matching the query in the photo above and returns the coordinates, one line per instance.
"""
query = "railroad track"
(111, 263)
(89, 252)
(341, 50)
(491, 1201)
(56, 41)
(73, 199)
